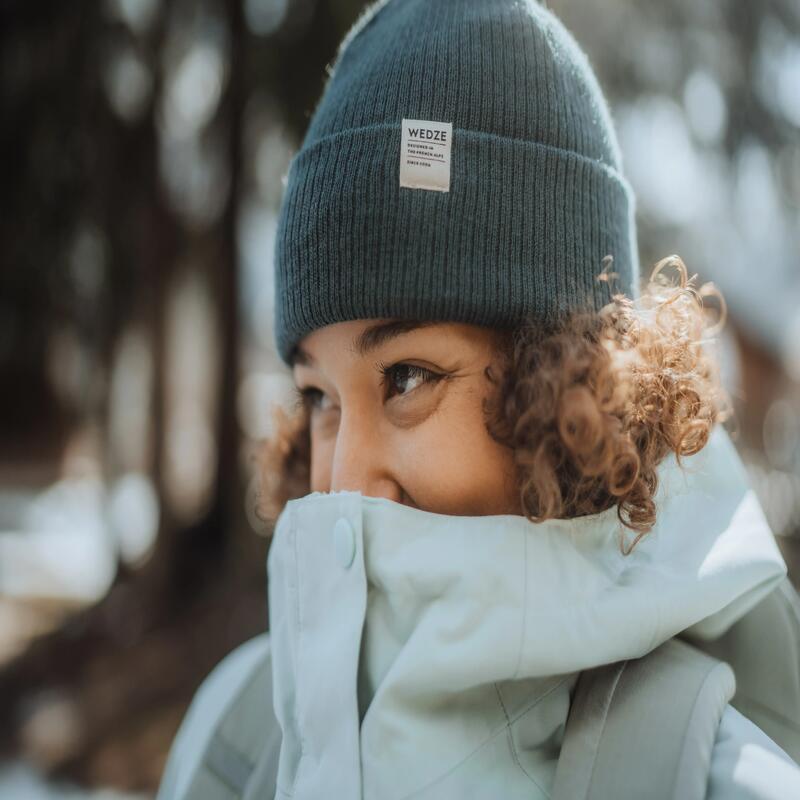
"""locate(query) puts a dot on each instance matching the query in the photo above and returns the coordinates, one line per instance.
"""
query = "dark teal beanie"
(461, 165)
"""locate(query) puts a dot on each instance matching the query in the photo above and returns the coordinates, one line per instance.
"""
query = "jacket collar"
(434, 610)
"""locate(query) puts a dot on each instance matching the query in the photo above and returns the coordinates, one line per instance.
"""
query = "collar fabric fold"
(425, 654)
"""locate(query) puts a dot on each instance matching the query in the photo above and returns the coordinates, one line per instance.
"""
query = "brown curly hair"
(590, 405)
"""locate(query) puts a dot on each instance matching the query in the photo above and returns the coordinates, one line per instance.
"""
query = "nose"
(362, 459)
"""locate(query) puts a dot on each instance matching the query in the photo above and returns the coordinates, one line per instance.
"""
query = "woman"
(507, 471)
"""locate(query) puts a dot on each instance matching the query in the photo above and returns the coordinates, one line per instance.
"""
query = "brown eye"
(311, 398)
(403, 379)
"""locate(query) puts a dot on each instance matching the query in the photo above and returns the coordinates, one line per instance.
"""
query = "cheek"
(448, 464)
(452, 465)
(322, 451)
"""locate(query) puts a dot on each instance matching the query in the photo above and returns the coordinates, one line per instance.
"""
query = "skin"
(415, 435)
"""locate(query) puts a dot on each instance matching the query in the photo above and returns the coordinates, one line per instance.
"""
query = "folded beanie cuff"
(522, 232)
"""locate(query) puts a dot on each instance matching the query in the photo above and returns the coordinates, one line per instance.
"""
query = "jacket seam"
(684, 754)
(493, 735)
(619, 669)
(541, 697)
(512, 746)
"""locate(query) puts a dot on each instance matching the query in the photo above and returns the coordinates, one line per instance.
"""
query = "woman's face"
(396, 412)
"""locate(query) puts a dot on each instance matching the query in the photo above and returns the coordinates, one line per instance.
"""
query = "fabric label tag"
(425, 154)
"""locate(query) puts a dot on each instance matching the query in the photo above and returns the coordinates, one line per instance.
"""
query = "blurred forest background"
(145, 143)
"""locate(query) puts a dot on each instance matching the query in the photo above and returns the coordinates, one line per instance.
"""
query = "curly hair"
(590, 405)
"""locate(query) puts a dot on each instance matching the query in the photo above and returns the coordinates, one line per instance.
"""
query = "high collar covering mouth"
(559, 595)
(391, 624)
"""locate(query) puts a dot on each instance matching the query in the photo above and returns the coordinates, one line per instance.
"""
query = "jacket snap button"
(344, 541)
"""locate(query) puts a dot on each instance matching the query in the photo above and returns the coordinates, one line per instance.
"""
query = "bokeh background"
(145, 144)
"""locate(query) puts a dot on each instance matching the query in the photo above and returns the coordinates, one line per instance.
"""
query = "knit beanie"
(461, 165)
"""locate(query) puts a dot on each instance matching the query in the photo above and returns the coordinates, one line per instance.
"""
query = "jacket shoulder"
(747, 765)
(210, 701)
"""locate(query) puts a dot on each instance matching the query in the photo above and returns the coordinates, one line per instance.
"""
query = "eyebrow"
(371, 338)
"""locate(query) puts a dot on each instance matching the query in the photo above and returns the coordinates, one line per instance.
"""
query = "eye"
(401, 380)
(311, 398)
(406, 377)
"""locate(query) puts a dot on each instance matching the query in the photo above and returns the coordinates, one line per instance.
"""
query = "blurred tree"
(82, 177)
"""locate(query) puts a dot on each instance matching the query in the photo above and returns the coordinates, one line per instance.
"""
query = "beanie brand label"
(425, 154)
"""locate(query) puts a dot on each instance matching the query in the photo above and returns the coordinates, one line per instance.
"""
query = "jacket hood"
(418, 636)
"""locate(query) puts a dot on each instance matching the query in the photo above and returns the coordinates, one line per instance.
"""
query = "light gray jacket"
(433, 656)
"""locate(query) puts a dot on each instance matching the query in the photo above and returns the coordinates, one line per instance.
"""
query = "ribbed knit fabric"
(536, 196)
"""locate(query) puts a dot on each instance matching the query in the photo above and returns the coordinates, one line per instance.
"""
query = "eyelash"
(428, 375)
(307, 396)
